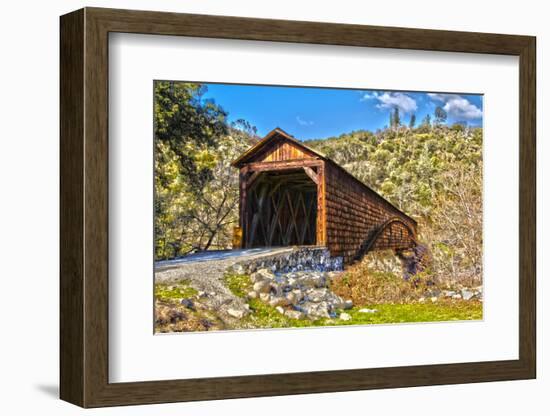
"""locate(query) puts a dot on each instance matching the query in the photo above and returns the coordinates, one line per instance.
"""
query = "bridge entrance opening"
(281, 210)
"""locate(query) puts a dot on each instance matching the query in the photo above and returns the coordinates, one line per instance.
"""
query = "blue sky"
(310, 113)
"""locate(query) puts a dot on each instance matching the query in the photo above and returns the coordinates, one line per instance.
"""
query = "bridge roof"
(275, 134)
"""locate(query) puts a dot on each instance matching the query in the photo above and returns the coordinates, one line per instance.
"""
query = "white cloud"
(369, 96)
(389, 100)
(440, 97)
(303, 122)
(457, 107)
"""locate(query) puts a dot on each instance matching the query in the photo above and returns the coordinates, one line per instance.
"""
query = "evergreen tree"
(427, 121)
(412, 120)
(396, 117)
(440, 115)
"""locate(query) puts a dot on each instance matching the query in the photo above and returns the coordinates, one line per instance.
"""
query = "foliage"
(196, 189)
(363, 286)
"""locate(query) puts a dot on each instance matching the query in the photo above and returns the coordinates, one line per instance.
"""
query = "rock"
(293, 314)
(422, 299)
(316, 310)
(348, 304)
(449, 293)
(294, 297)
(433, 299)
(367, 310)
(280, 309)
(312, 279)
(317, 295)
(262, 274)
(278, 301)
(252, 294)
(262, 286)
(276, 290)
(188, 303)
(457, 296)
(345, 316)
(202, 294)
(434, 293)
(236, 313)
(467, 294)
(264, 297)
(238, 269)
(292, 282)
(336, 301)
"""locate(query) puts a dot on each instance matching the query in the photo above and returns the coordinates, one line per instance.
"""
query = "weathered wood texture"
(349, 215)
(284, 151)
(71, 343)
(356, 213)
(395, 235)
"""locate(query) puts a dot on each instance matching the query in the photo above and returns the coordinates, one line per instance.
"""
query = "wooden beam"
(281, 165)
(310, 172)
(252, 178)
(321, 207)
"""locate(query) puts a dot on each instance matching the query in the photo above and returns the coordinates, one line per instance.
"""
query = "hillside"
(434, 174)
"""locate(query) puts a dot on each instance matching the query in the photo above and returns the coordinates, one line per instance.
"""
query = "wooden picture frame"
(84, 207)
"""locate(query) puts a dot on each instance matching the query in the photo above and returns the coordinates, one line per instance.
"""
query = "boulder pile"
(298, 294)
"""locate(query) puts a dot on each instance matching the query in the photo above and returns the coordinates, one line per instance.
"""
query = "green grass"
(238, 284)
(417, 312)
(174, 292)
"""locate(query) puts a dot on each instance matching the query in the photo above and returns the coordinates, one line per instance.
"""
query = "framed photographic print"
(291, 207)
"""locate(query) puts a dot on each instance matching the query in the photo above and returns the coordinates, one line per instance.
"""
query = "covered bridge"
(293, 195)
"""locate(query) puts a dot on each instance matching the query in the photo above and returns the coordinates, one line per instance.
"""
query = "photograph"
(288, 206)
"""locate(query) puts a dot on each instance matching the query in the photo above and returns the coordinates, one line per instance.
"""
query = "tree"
(440, 115)
(188, 125)
(243, 125)
(427, 121)
(214, 212)
(396, 117)
(196, 189)
(412, 121)
(459, 126)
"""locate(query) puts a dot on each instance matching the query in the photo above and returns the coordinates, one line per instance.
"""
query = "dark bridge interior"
(282, 210)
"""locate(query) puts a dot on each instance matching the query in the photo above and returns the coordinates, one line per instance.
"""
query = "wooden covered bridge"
(293, 195)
